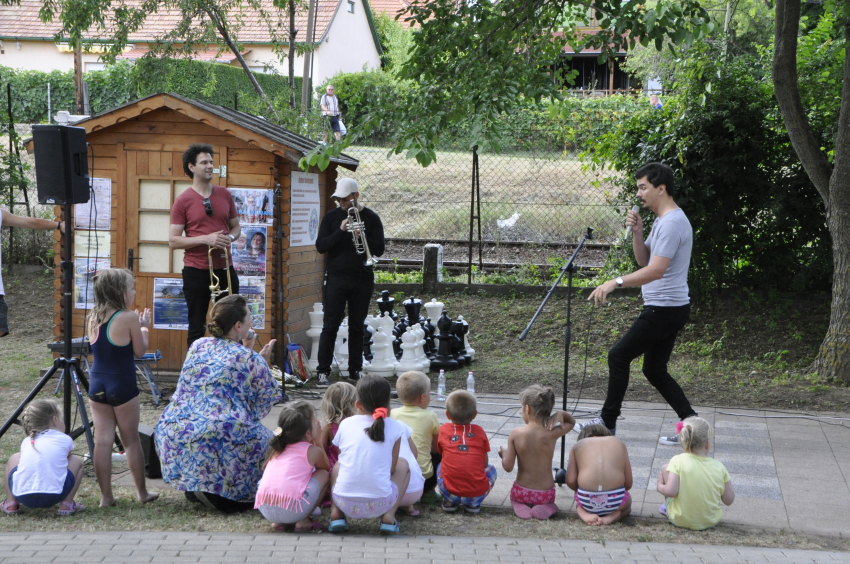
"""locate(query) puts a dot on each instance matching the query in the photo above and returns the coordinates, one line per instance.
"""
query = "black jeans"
(357, 293)
(652, 335)
(196, 290)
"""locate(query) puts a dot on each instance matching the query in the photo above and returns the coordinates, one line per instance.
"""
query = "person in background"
(330, 109)
(655, 102)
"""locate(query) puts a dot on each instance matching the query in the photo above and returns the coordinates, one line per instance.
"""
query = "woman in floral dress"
(210, 438)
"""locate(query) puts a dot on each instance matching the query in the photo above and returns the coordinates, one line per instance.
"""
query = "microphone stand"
(569, 268)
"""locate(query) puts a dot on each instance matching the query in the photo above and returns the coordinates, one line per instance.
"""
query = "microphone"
(636, 209)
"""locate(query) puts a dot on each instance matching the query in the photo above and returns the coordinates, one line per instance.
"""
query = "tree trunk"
(292, 33)
(833, 359)
(306, 79)
(79, 108)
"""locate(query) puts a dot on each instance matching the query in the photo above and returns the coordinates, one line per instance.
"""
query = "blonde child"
(337, 404)
(295, 476)
(600, 473)
(45, 472)
(370, 478)
(117, 336)
(694, 483)
(464, 475)
(532, 447)
(414, 392)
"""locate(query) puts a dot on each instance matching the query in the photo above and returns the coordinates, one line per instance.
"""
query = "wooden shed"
(139, 147)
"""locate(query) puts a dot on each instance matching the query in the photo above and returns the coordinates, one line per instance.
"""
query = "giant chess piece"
(341, 348)
(367, 342)
(430, 345)
(314, 332)
(457, 343)
(434, 308)
(386, 304)
(386, 326)
(421, 357)
(444, 358)
(398, 331)
(383, 363)
(469, 350)
(461, 329)
(409, 345)
(413, 307)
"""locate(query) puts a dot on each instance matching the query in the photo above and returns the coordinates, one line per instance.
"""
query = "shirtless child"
(600, 473)
(533, 492)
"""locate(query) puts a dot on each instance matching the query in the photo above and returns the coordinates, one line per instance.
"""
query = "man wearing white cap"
(347, 279)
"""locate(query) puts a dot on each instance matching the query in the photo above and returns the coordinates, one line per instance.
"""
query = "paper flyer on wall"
(253, 289)
(169, 304)
(249, 251)
(304, 226)
(92, 244)
(84, 271)
(97, 212)
(254, 206)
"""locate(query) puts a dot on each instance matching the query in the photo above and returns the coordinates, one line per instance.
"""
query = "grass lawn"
(748, 352)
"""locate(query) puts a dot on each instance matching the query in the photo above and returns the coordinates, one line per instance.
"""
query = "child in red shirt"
(464, 476)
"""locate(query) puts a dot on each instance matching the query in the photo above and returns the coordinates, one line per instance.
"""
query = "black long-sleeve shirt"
(343, 259)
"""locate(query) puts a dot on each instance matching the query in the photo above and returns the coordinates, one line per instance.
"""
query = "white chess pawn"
(421, 357)
(469, 350)
(408, 358)
(314, 332)
(341, 348)
(380, 365)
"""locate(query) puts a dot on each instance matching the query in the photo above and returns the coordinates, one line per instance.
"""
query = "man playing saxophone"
(348, 277)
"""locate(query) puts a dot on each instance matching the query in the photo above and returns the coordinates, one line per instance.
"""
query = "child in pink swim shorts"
(533, 446)
(600, 473)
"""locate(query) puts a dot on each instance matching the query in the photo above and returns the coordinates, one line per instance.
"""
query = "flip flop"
(338, 526)
(283, 527)
(7, 507)
(521, 510)
(66, 508)
(389, 529)
(412, 513)
(313, 526)
(544, 511)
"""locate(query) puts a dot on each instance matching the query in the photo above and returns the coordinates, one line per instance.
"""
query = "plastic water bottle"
(441, 386)
(470, 383)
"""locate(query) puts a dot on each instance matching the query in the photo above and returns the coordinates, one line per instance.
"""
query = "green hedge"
(121, 83)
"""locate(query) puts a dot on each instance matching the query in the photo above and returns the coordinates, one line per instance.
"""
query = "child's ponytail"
(292, 424)
(695, 432)
(38, 417)
(373, 393)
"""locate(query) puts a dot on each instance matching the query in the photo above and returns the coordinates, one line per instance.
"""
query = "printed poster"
(253, 289)
(254, 206)
(304, 227)
(97, 212)
(249, 251)
(92, 244)
(84, 271)
(169, 304)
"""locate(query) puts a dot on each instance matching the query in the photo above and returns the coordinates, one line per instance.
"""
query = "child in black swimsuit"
(117, 336)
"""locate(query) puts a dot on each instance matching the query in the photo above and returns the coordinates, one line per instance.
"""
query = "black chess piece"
(444, 358)
(460, 331)
(398, 331)
(456, 344)
(367, 342)
(430, 346)
(413, 307)
(386, 303)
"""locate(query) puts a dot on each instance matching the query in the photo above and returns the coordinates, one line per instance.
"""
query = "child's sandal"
(10, 507)
(66, 508)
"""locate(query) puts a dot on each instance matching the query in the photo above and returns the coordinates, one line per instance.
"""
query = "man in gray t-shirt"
(665, 257)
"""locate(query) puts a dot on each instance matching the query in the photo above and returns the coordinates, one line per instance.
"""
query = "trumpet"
(358, 232)
(215, 287)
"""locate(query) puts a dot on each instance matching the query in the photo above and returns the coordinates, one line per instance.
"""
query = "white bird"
(508, 223)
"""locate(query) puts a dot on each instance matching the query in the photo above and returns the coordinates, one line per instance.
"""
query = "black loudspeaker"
(152, 466)
(61, 164)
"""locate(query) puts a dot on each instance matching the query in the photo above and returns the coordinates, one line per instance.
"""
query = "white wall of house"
(348, 45)
(40, 56)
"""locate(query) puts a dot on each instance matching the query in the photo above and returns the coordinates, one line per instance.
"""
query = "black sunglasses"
(208, 206)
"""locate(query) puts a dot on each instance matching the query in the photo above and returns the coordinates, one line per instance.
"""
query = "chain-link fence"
(525, 196)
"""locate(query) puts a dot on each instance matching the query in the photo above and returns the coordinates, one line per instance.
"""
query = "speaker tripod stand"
(70, 369)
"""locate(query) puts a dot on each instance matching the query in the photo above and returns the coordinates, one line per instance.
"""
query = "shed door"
(154, 180)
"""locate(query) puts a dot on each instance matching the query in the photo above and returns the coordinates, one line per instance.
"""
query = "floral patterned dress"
(210, 438)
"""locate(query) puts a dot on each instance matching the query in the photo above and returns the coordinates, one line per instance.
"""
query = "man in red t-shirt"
(203, 216)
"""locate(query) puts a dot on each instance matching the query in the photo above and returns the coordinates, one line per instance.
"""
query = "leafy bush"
(757, 218)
